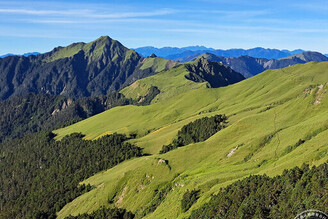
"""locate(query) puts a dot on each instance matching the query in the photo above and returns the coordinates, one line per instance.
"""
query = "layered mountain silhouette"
(25, 54)
(79, 70)
(249, 66)
(104, 66)
(214, 73)
(185, 54)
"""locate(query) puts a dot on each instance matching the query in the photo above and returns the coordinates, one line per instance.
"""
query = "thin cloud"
(87, 13)
(102, 21)
(218, 29)
(43, 12)
(47, 36)
(320, 6)
(241, 13)
(133, 14)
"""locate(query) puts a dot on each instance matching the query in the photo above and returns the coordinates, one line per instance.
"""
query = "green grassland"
(158, 64)
(171, 83)
(268, 114)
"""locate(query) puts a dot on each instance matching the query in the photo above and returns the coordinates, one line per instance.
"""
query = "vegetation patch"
(197, 131)
(316, 132)
(290, 148)
(40, 175)
(188, 199)
(264, 141)
(308, 137)
(260, 196)
(109, 213)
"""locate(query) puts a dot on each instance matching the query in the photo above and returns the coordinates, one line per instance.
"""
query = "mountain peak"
(308, 56)
(103, 39)
(214, 73)
(201, 59)
(152, 56)
(95, 50)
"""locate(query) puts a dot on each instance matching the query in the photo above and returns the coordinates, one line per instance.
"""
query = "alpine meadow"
(185, 125)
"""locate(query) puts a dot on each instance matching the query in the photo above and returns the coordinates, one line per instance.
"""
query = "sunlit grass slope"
(170, 83)
(268, 115)
(158, 64)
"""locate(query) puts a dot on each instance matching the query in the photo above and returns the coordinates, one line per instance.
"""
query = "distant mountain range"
(104, 66)
(249, 66)
(25, 54)
(179, 54)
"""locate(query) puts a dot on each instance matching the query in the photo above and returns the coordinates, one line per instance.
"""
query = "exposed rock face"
(65, 105)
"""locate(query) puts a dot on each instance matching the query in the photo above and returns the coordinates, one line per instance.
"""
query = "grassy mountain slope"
(170, 83)
(268, 116)
(173, 82)
(157, 64)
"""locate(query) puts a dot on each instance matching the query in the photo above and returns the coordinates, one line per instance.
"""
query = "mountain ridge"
(25, 54)
(78, 70)
(177, 54)
(249, 66)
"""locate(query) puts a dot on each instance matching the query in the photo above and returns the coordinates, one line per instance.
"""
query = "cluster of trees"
(108, 213)
(260, 196)
(39, 175)
(37, 112)
(40, 112)
(197, 131)
(188, 199)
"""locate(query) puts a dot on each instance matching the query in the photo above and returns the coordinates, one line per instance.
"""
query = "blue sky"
(27, 26)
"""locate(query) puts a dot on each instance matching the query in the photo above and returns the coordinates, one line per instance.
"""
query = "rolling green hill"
(276, 120)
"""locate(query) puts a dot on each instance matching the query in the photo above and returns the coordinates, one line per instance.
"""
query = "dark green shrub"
(188, 199)
(107, 213)
(261, 196)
